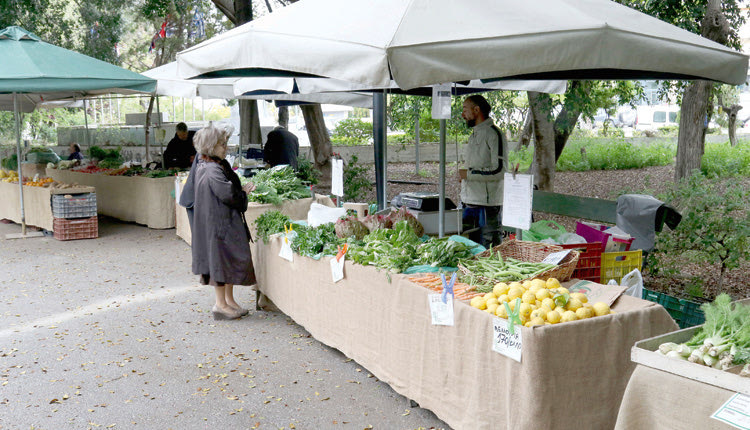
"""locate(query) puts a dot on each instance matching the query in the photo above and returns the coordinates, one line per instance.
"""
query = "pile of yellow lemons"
(8, 175)
(542, 302)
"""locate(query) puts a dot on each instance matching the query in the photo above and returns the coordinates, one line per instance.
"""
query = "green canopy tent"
(35, 71)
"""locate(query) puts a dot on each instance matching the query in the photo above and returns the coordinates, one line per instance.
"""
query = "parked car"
(656, 117)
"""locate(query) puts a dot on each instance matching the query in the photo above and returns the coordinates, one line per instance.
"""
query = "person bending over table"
(180, 151)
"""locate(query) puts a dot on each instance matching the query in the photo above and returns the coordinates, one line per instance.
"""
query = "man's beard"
(471, 123)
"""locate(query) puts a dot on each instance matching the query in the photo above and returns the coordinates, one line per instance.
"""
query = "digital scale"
(421, 201)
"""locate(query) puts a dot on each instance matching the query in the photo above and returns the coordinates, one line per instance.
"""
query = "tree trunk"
(543, 167)
(249, 118)
(525, 134)
(695, 100)
(284, 116)
(731, 112)
(568, 117)
(319, 141)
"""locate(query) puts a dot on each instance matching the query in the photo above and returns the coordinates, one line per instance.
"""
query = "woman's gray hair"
(208, 140)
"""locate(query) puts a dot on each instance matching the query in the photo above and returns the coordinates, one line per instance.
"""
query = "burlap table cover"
(572, 375)
(146, 201)
(36, 203)
(658, 400)
(295, 209)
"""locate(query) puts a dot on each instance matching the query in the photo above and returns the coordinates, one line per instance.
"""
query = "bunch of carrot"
(433, 282)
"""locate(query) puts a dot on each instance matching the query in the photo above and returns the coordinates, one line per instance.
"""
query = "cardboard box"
(644, 352)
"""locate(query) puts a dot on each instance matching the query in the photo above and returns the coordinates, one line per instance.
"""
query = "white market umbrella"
(424, 42)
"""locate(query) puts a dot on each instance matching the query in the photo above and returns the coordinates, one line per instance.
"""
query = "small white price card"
(441, 101)
(735, 412)
(510, 345)
(556, 257)
(442, 313)
(517, 195)
(337, 268)
(286, 250)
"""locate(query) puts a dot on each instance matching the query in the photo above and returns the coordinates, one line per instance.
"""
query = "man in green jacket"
(485, 164)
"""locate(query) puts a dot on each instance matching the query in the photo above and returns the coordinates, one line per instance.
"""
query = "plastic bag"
(634, 282)
(570, 239)
(544, 229)
(320, 214)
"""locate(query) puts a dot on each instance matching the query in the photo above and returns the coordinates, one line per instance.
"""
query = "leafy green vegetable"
(276, 185)
(442, 253)
(313, 241)
(269, 223)
(161, 173)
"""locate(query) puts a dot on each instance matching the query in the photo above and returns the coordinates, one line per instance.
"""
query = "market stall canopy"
(423, 42)
(39, 71)
(171, 84)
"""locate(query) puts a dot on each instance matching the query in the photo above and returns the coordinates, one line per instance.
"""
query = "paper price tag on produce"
(337, 268)
(286, 250)
(442, 313)
(735, 412)
(510, 345)
(556, 257)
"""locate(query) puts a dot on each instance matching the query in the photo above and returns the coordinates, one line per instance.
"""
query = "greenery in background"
(721, 160)
(350, 132)
(715, 229)
(306, 171)
(356, 184)
(581, 155)
(108, 158)
(10, 163)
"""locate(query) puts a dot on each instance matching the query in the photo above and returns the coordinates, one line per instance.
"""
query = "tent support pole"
(86, 123)
(441, 181)
(161, 141)
(416, 135)
(379, 146)
(18, 166)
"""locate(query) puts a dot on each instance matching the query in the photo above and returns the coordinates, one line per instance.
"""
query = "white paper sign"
(337, 177)
(510, 345)
(735, 412)
(286, 250)
(517, 195)
(442, 313)
(441, 101)
(556, 257)
(337, 268)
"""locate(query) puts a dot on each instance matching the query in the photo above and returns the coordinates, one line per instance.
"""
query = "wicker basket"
(533, 252)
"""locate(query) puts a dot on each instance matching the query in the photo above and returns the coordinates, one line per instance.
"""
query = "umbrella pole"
(86, 123)
(441, 180)
(18, 154)
(416, 135)
(161, 141)
(379, 146)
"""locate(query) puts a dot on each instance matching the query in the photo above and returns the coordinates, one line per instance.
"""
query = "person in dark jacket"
(220, 247)
(180, 151)
(282, 147)
(75, 152)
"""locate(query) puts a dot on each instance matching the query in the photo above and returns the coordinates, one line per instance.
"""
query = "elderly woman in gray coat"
(221, 251)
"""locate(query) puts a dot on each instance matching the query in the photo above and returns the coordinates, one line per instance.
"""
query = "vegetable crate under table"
(589, 266)
(74, 205)
(615, 265)
(684, 312)
(76, 228)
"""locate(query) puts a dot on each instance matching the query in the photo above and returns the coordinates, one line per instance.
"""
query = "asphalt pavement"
(116, 333)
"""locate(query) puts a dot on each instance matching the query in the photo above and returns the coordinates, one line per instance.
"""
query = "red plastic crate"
(589, 261)
(75, 228)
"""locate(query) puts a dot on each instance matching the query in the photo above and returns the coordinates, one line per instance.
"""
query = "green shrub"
(352, 132)
(721, 160)
(586, 154)
(356, 184)
(715, 229)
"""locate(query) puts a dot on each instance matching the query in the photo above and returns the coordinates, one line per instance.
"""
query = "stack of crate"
(75, 216)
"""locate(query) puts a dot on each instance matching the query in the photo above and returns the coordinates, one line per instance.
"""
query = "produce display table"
(141, 200)
(657, 400)
(295, 209)
(36, 201)
(572, 375)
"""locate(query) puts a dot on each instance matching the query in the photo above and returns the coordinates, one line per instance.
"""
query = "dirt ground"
(604, 184)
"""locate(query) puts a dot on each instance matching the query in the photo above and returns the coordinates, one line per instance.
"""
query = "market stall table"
(571, 375)
(657, 400)
(147, 201)
(37, 200)
(295, 209)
